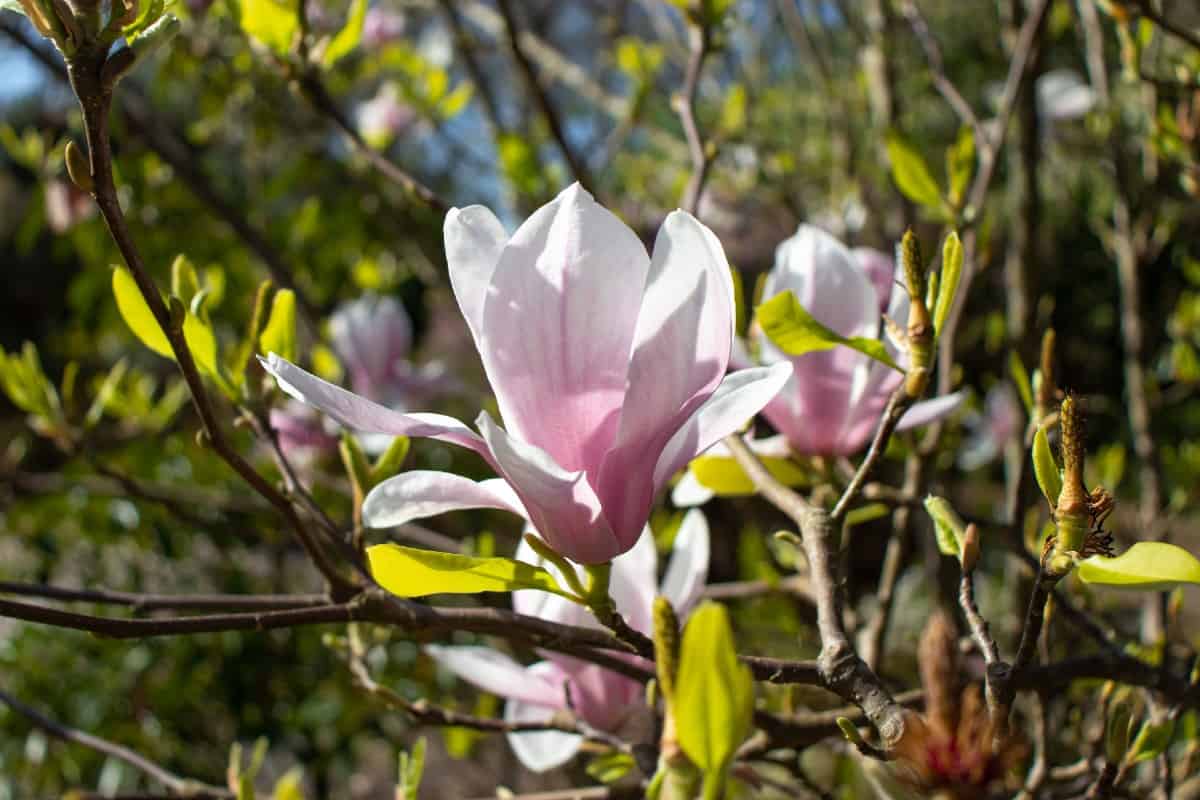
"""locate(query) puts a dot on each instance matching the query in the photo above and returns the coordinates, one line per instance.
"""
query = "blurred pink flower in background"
(608, 367)
(381, 26)
(66, 205)
(833, 400)
(600, 697)
(372, 337)
(991, 431)
(384, 117)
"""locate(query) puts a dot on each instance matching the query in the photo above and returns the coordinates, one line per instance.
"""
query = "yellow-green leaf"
(960, 163)
(1152, 739)
(952, 261)
(1020, 377)
(795, 331)
(349, 36)
(274, 24)
(290, 786)
(948, 527)
(1155, 566)
(137, 315)
(1045, 469)
(911, 174)
(714, 693)
(279, 335)
(722, 474)
(412, 572)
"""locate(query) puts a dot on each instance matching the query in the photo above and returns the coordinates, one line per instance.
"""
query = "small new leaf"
(911, 174)
(1049, 477)
(279, 335)
(412, 572)
(1148, 566)
(795, 331)
(714, 693)
(948, 527)
(271, 23)
(952, 261)
(349, 36)
(137, 315)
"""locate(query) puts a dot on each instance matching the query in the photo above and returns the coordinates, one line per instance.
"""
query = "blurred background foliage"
(221, 157)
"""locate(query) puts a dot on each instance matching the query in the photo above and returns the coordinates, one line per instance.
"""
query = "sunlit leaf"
(722, 474)
(412, 572)
(1155, 566)
(714, 694)
(952, 261)
(279, 335)
(271, 23)
(911, 174)
(948, 527)
(960, 163)
(137, 315)
(795, 331)
(349, 36)
(1152, 739)
(1045, 468)
(1020, 377)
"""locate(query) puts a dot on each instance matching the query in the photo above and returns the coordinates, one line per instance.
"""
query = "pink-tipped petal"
(540, 751)
(558, 324)
(499, 674)
(366, 416)
(688, 569)
(739, 397)
(928, 411)
(562, 505)
(474, 240)
(418, 494)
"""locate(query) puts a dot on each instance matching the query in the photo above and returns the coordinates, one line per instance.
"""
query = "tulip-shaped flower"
(833, 401)
(608, 368)
(597, 696)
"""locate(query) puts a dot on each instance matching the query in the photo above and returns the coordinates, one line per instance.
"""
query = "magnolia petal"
(547, 606)
(688, 568)
(562, 505)
(499, 674)
(633, 582)
(540, 751)
(684, 332)
(739, 397)
(689, 492)
(928, 411)
(559, 322)
(372, 336)
(366, 416)
(418, 494)
(879, 267)
(474, 239)
(827, 280)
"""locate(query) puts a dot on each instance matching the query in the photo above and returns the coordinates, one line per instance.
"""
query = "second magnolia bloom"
(608, 366)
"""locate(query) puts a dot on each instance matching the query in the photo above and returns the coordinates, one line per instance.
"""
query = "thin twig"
(176, 784)
(575, 164)
(898, 403)
(139, 602)
(699, 44)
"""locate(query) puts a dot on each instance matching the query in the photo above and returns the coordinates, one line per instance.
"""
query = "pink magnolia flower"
(601, 698)
(66, 205)
(608, 367)
(833, 401)
(991, 431)
(381, 26)
(372, 337)
(384, 117)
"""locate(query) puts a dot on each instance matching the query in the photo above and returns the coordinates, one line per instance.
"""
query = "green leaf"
(722, 474)
(868, 513)
(1045, 468)
(1153, 566)
(349, 36)
(952, 261)
(412, 572)
(279, 335)
(948, 527)
(911, 174)
(1021, 378)
(389, 463)
(960, 164)
(610, 767)
(795, 331)
(271, 23)
(412, 768)
(290, 786)
(137, 315)
(714, 693)
(1152, 739)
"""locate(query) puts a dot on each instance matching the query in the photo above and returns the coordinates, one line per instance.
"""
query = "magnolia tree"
(826, 392)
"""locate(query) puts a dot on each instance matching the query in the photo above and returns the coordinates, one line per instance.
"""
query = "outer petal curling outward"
(499, 674)
(562, 505)
(425, 493)
(474, 239)
(540, 750)
(366, 416)
(558, 325)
